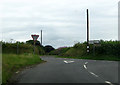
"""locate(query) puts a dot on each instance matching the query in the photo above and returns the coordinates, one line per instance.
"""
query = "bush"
(110, 48)
(59, 51)
(21, 48)
(48, 48)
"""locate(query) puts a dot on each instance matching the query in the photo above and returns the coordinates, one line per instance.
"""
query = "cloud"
(63, 21)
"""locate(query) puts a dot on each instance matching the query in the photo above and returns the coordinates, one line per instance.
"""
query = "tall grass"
(12, 63)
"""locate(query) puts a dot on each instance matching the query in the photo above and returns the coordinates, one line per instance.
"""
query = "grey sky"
(63, 21)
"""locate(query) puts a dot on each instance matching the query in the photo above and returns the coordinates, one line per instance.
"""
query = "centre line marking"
(94, 74)
(85, 67)
(108, 82)
(86, 62)
(65, 61)
(68, 61)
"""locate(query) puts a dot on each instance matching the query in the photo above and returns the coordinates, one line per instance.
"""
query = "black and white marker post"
(87, 32)
(35, 37)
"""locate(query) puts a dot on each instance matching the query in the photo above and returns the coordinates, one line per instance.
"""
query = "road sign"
(91, 42)
(35, 37)
(94, 42)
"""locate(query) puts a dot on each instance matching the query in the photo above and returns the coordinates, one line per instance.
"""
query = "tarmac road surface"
(62, 70)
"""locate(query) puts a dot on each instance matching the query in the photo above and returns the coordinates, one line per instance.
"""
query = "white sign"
(94, 42)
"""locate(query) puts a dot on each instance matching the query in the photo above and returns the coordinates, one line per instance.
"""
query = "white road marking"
(68, 61)
(86, 62)
(108, 82)
(85, 66)
(93, 74)
(17, 72)
(65, 61)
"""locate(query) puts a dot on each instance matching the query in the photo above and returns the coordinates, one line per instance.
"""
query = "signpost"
(95, 43)
(35, 37)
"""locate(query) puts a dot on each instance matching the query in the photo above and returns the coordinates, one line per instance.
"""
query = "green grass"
(12, 63)
(90, 57)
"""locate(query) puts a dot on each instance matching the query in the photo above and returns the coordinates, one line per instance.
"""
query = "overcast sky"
(63, 21)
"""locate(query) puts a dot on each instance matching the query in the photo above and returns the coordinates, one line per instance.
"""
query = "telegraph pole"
(87, 31)
(41, 37)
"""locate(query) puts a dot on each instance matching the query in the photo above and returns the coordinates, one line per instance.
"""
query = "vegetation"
(19, 55)
(48, 48)
(21, 48)
(59, 51)
(107, 50)
(90, 57)
(12, 63)
(32, 43)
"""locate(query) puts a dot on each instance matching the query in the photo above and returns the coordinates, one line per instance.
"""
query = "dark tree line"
(47, 48)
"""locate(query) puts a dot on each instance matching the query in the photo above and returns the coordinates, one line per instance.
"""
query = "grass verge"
(12, 63)
(90, 57)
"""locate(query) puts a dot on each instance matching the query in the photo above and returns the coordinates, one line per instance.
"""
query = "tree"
(32, 42)
(48, 48)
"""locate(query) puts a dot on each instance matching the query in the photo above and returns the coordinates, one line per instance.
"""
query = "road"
(62, 70)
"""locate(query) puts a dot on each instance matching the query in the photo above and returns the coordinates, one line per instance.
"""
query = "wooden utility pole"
(87, 31)
(41, 37)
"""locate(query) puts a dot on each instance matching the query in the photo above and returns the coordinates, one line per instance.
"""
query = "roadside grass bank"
(12, 63)
(106, 50)
(91, 57)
